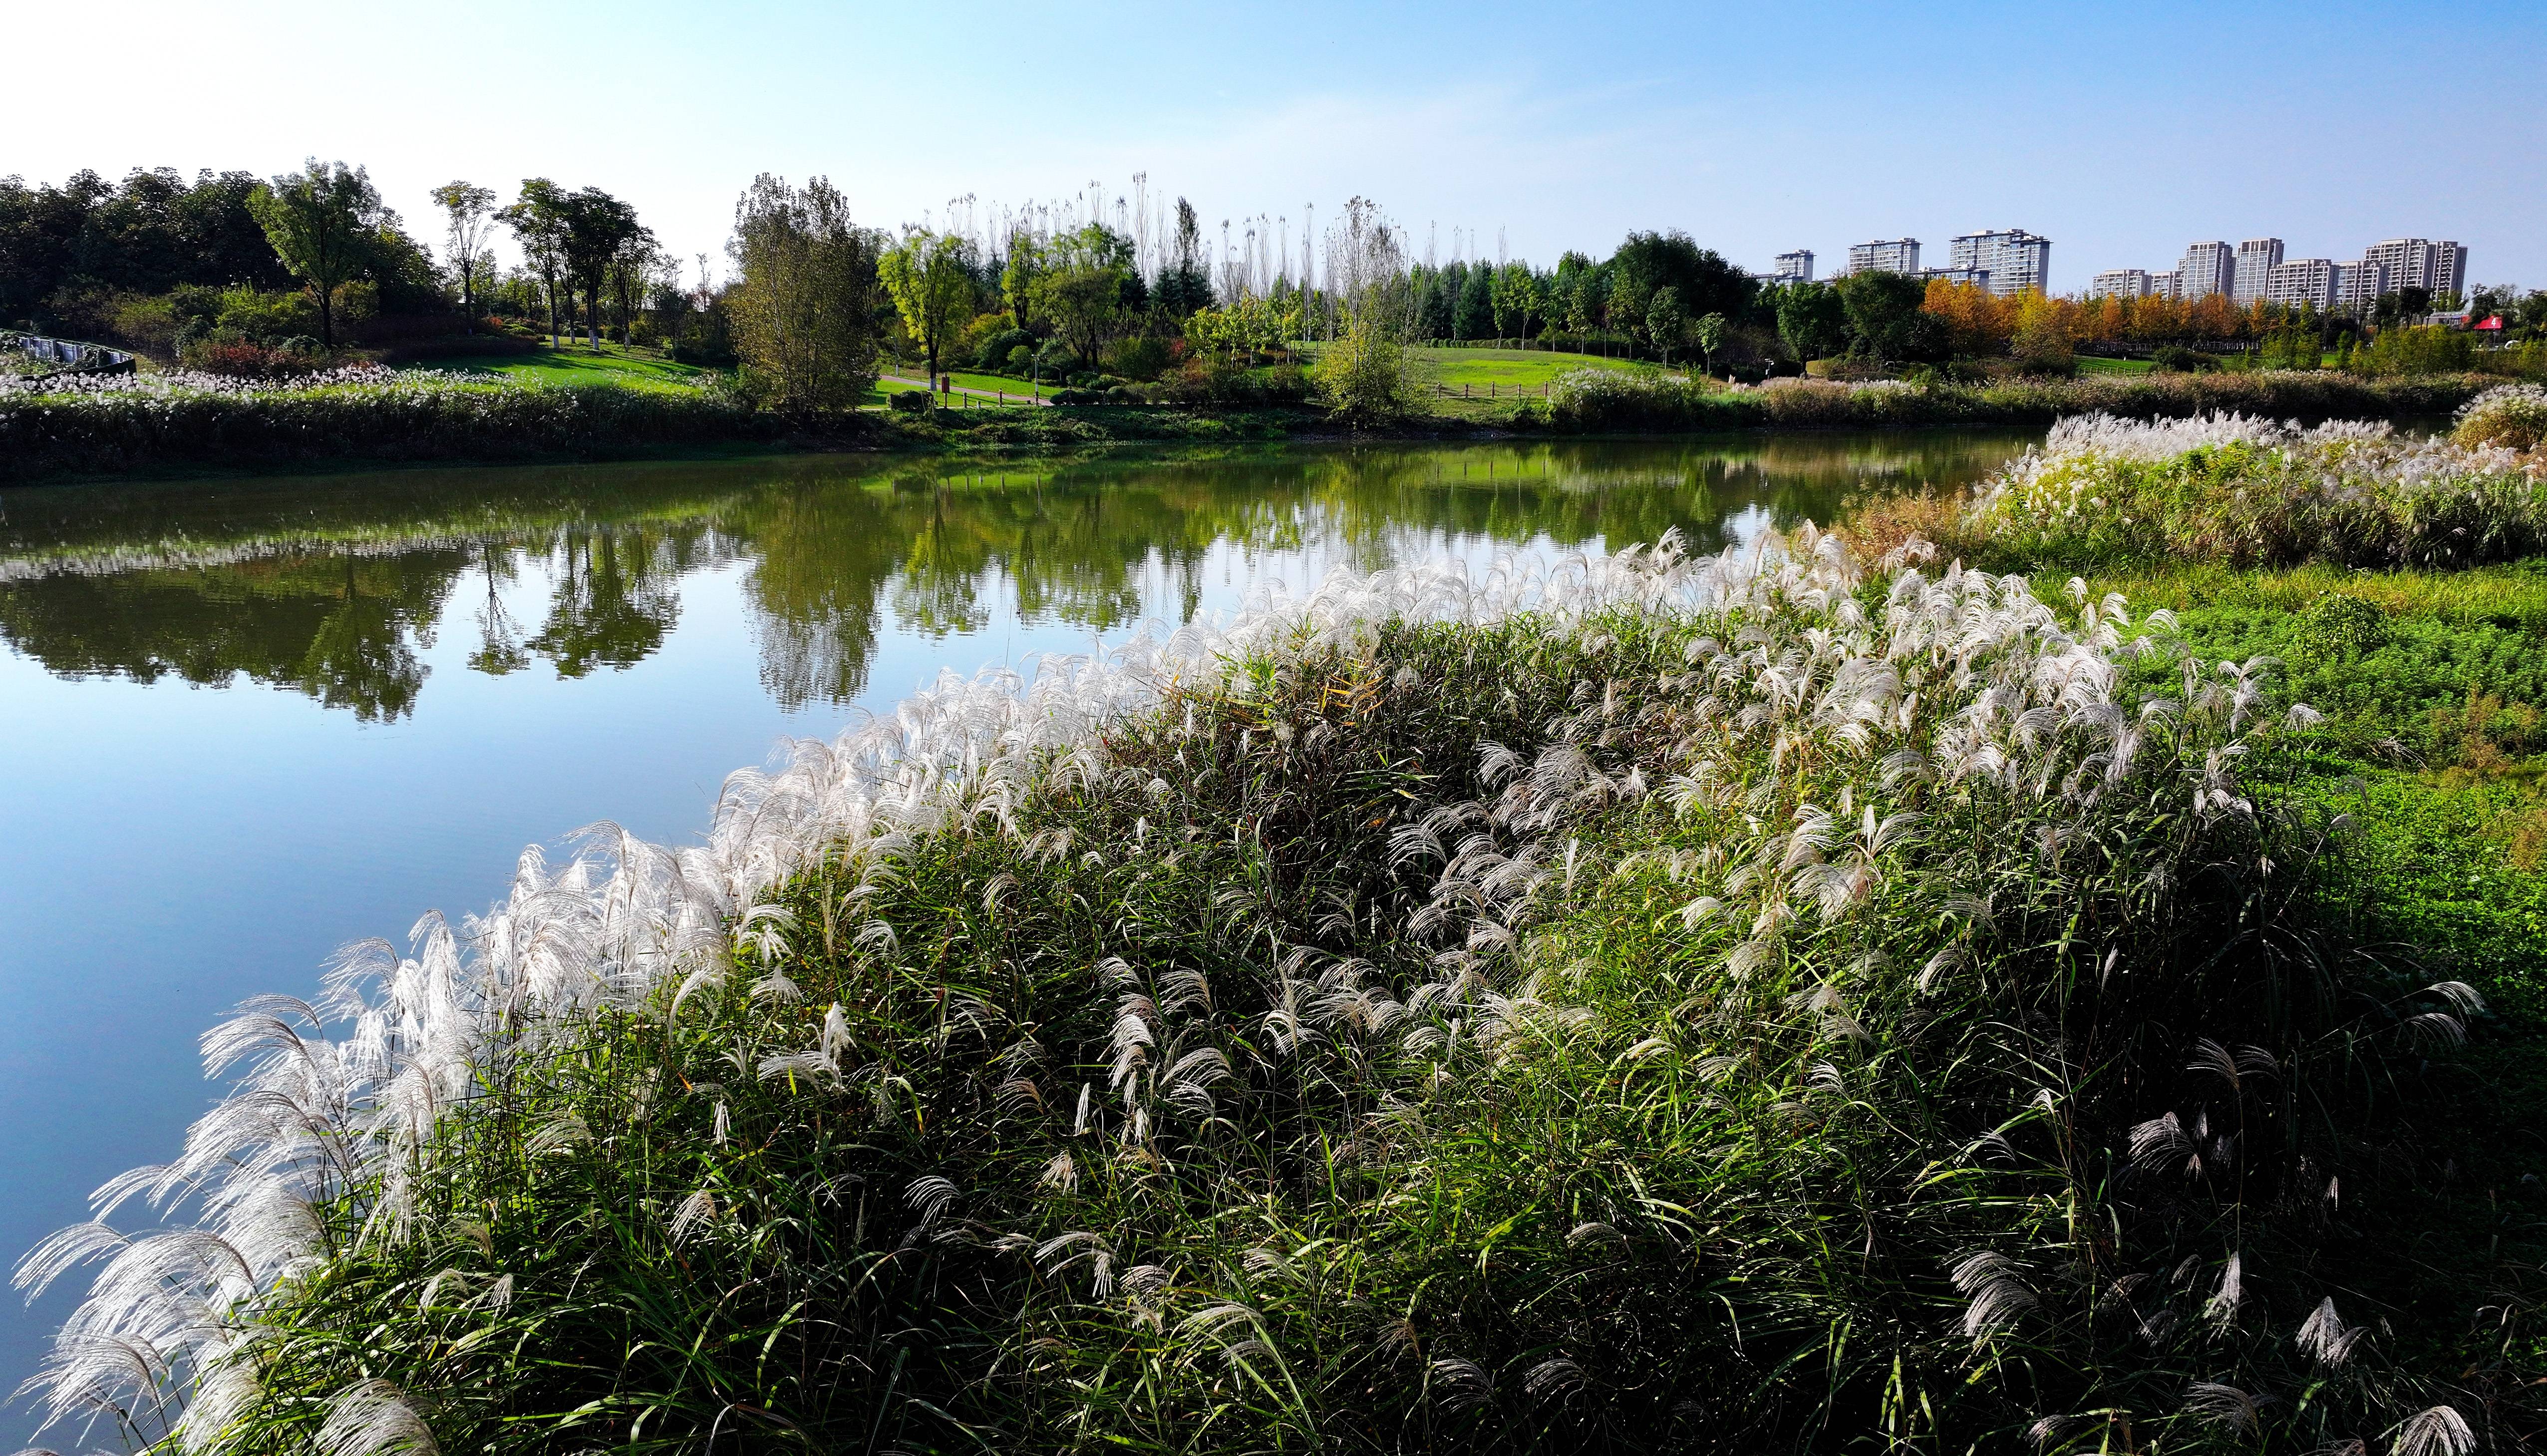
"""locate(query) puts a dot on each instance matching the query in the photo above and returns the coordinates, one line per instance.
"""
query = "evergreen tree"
(1474, 317)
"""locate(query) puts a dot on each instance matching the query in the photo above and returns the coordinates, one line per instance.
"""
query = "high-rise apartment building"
(2421, 263)
(2120, 283)
(1978, 278)
(2357, 285)
(1894, 255)
(2449, 269)
(2206, 268)
(1795, 266)
(2015, 260)
(2170, 285)
(2298, 282)
(2253, 269)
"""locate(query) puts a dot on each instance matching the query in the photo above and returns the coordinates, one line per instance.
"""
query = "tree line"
(232, 269)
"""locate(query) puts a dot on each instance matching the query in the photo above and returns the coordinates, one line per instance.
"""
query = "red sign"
(2493, 321)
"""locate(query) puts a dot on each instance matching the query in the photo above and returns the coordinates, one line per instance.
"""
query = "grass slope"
(577, 363)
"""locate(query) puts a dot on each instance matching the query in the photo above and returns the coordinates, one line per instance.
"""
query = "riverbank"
(442, 418)
(1426, 1013)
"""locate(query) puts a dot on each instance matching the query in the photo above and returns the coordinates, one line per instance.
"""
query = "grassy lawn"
(2113, 366)
(1503, 368)
(640, 369)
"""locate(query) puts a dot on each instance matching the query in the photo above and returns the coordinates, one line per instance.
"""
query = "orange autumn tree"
(2106, 320)
(1977, 321)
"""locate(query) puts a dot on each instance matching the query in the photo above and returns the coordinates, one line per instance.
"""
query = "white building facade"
(2015, 260)
(2206, 268)
(2121, 282)
(2419, 262)
(2299, 281)
(1884, 255)
(2253, 269)
(2357, 285)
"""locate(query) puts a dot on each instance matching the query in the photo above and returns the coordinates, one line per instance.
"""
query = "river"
(245, 722)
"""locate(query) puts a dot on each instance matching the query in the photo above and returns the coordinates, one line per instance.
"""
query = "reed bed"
(1750, 1002)
(2249, 492)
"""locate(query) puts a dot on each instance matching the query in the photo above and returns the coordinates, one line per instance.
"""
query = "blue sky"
(2121, 131)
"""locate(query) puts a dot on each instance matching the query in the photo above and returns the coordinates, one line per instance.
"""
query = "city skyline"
(1563, 134)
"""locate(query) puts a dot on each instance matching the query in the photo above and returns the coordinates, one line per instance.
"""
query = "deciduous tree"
(538, 221)
(804, 311)
(930, 288)
(1709, 333)
(600, 229)
(1664, 320)
(320, 221)
(472, 211)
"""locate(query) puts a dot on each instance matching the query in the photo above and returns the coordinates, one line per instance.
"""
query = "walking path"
(997, 397)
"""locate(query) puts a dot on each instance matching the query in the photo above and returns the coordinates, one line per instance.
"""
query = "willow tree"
(805, 309)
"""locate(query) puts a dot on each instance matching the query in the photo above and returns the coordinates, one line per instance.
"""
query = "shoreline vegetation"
(179, 423)
(1739, 1003)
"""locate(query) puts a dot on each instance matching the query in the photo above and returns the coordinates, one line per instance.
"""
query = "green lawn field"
(639, 368)
(996, 383)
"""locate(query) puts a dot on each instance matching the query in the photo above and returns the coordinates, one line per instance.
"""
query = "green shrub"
(140, 421)
(1143, 358)
(2422, 349)
(1362, 376)
(907, 402)
(1587, 400)
(2342, 626)
(1008, 349)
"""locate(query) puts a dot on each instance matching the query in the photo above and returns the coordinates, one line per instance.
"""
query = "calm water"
(244, 723)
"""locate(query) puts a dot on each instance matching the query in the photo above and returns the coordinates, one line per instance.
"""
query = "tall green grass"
(1724, 1005)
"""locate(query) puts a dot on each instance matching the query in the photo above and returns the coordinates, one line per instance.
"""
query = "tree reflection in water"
(330, 587)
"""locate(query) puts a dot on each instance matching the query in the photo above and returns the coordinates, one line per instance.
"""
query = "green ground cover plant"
(1774, 1001)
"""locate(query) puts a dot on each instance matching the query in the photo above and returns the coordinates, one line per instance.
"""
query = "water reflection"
(329, 587)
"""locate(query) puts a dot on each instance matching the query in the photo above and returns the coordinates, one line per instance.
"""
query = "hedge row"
(1595, 401)
(110, 432)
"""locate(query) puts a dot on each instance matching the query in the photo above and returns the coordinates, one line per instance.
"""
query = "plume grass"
(1760, 1002)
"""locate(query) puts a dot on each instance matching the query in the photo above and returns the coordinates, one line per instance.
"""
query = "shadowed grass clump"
(1721, 1005)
